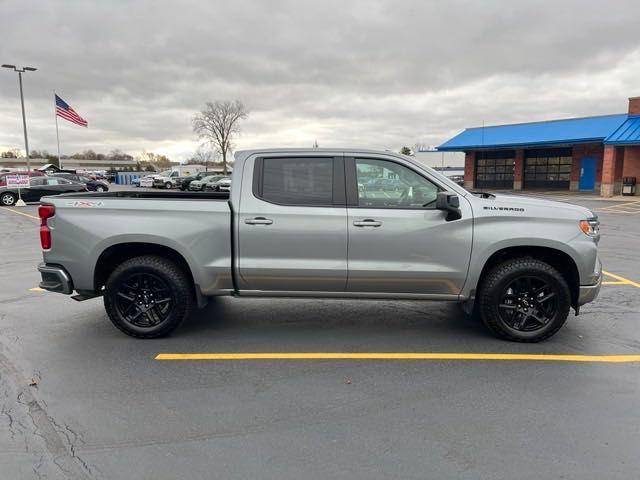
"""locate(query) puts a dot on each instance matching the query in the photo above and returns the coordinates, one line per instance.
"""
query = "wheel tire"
(167, 185)
(99, 188)
(495, 285)
(178, 286)
(8, 199)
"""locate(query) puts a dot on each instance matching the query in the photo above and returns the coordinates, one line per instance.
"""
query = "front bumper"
(55, 279)
(588, 293)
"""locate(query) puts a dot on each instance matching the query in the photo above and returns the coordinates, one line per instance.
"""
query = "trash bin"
(628, 185)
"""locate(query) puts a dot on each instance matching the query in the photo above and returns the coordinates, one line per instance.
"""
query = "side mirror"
(450, 203)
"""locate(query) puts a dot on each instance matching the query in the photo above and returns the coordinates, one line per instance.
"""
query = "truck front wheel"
(524, 300)
(148, 296)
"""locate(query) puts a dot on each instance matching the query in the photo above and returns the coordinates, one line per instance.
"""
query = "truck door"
(292, 224)
(398, 241)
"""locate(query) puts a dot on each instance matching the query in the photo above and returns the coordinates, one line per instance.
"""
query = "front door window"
(385, 184)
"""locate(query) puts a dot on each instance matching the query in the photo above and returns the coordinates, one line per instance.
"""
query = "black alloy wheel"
(524, 300)
(144, 300)
(148, 296)
(528, 304)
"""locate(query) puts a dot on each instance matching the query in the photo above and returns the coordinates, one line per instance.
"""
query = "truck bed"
(150, 195)
(196, 226)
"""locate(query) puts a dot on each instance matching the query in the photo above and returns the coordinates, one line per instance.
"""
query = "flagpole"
(55, 114)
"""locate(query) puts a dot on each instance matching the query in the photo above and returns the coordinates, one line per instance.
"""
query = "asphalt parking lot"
(81, 400)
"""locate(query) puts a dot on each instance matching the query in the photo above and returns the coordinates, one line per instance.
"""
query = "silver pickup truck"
(323, 223)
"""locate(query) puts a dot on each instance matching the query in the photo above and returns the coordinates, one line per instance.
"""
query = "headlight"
(591, 227)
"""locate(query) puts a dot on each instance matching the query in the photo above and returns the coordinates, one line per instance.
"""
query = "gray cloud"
(355, 73)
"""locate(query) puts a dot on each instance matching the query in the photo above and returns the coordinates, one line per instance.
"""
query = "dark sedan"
(92, 185)
(39, 187)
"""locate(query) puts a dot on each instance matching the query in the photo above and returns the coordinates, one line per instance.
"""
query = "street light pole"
(24, 123)
(24, 118)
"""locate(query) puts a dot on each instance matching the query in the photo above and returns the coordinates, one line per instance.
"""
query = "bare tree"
(218, 124)
(203, 156)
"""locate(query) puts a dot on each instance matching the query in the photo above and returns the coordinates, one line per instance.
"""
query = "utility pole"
(24, 118)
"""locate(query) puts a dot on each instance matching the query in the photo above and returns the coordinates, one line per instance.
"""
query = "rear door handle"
(258, 221)
(367, 222)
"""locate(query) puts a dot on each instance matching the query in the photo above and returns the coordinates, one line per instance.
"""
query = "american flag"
(65, 111)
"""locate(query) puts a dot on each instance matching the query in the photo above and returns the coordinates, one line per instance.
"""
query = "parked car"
(384, 184)
(92, 185)
(459, 179)
(200, 185)
(110, 176)
(186, 181)
(147, 180)
(300, 227)
(39, 186)
(135, 182)
(220, 185)
(167, 179)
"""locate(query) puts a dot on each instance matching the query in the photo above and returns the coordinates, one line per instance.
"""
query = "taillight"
(45, 212)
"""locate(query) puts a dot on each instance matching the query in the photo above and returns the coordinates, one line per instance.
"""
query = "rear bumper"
(55, 279)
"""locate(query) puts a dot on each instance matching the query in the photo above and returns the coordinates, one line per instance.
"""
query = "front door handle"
(258, 221)
(367, 222)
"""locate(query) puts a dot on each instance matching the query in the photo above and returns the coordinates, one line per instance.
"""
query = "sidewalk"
(571, 195)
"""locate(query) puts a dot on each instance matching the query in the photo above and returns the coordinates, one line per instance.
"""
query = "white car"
(199, 185)
(221, 184)
(147, 181)
(168, 179)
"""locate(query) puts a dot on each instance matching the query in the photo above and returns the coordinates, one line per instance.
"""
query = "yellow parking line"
(37, 289)
(6, 209)
(614, 283)
(620, 206)
(400, 356)
(625, 281)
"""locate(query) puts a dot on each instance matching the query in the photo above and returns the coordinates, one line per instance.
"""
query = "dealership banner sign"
(17, 181)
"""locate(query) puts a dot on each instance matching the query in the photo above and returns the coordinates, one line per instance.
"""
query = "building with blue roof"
(587, 153)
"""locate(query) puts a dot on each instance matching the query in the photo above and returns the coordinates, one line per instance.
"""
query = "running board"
(81, 297)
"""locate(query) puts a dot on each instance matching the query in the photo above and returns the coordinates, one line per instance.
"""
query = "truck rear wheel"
(148, 296)
(524, 300)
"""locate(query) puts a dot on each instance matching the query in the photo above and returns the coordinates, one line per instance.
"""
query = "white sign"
(17, 181)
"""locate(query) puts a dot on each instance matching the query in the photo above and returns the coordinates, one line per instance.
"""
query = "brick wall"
(631, 167)
(634, 105)
(518, 169)
(611, 171)
(469, 170)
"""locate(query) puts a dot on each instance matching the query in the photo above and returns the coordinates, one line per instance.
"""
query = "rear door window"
(298, 181)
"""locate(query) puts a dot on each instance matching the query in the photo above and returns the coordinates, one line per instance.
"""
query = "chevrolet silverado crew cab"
(298, 223)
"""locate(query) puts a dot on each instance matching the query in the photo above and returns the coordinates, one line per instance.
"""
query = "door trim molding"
(358, 295)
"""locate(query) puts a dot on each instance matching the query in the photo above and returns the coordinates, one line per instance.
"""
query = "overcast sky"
(370, 73)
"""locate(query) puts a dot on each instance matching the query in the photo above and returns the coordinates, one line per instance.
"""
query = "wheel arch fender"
(559, 255)
(109, 254)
